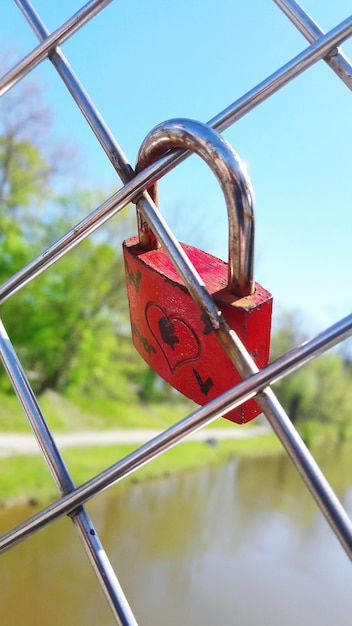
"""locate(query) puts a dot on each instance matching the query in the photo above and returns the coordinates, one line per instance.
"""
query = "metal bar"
(198, 419)
(80, 96)
(338, 62)
(104, 571)
(143, 180)
(279, 420)
(60, 35)
(316, 51)
(59, 471)
(267, 400)
(83, 229)
(32, 411)
(248, 366)
(302, 459)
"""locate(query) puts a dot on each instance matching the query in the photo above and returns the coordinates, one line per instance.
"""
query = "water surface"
(242, 543)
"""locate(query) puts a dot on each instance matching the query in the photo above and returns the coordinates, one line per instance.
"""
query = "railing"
(256, 383)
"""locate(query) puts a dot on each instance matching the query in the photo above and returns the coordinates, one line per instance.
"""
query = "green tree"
(319, 391)
(75, 313)
(48, 319)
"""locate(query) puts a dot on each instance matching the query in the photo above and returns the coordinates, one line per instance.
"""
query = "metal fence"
(255, 383)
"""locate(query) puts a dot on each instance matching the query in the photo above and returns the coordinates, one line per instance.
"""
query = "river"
(242, 543)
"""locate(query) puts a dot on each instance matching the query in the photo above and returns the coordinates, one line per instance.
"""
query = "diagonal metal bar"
(59, 36)
(287, 434)
(80, 96)
(287, 74)
(81, 231)
(267, 400)
(316, 51)
(279, 421)
(278, 418)
(338, 62)
(143, 180)
(59, 471)
(232, 398)
(289, 437)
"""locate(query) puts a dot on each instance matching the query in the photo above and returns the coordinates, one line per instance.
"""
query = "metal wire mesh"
(71, 501)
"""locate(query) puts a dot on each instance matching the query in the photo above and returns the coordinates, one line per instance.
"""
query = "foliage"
(50, 319)
(68, 325)
(23, 174)
(320, 391)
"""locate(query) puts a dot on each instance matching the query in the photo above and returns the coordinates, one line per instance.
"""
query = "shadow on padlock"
(169, 330)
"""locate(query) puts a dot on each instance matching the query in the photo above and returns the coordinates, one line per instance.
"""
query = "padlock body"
(173, 336)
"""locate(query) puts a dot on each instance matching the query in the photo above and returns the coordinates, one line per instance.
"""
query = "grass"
(65, 414)
(69, 414)
(27, 479)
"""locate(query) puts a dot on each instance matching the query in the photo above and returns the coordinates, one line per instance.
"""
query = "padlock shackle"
(223, 161)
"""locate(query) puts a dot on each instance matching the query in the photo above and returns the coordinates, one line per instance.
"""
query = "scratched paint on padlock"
(175, 337)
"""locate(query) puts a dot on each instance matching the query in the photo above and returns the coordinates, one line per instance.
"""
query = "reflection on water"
(238, 544)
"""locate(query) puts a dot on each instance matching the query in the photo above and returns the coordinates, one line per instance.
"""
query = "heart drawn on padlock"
(175, 338)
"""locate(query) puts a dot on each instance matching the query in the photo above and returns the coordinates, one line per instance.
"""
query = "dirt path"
(13, 443)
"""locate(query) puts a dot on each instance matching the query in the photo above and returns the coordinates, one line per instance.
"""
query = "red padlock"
(169, 330)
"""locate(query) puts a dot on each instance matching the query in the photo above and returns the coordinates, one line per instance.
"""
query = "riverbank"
(25, 477)
(249, 525)
(23, 444)
(95, 435)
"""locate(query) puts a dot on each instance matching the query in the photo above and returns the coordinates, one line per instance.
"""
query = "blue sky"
(143, 63)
